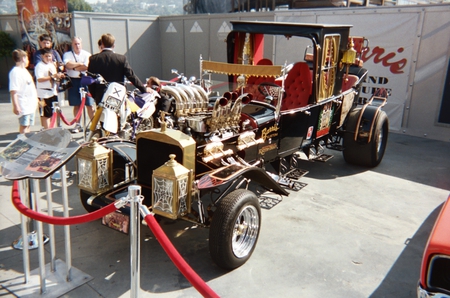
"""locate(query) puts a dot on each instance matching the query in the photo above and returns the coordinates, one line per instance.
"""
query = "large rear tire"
(362, 153)
(235, 229)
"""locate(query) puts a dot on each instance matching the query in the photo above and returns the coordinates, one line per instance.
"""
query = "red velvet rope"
(64, 119)
(198, 283)
(178, 260)
(15, 196)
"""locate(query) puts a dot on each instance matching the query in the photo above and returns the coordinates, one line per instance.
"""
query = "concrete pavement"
(351, 232)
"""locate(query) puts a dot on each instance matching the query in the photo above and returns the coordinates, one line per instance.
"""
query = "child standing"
(47, 77)
(23, 91)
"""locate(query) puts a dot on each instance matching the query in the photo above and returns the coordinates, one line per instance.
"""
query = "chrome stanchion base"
(32, 241)
(57, 284)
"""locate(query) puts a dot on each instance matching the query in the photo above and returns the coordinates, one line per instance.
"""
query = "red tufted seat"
(298, 87)
(348, 82)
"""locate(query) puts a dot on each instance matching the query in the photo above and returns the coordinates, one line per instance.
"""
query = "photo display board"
(37, 155)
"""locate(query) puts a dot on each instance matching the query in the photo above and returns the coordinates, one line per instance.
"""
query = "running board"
(296, 173)
(323, 157)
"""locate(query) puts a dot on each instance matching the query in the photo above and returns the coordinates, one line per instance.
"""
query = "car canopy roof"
(289, 29)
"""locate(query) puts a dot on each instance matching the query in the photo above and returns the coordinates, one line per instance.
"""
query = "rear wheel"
(235, 229)
(362, 153)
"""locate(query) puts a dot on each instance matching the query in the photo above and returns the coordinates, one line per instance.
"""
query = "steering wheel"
(267, 89)
(264, 88)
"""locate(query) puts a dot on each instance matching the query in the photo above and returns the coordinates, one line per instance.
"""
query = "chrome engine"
(193, 111)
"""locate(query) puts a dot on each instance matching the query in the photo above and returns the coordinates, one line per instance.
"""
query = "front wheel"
(366, 154)
(145, 124)
(88, 135)
(235, 229)
(84, 196)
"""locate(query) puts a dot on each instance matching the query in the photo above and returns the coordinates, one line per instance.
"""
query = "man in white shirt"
(76, 62)
(23, 91)
(47, 87)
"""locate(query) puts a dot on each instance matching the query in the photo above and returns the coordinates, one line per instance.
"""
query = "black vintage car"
(214, 156)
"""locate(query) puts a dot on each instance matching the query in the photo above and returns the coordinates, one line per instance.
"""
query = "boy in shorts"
(47, 85)
(23, 91)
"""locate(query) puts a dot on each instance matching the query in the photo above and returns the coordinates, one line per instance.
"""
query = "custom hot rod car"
(435, 272)
(213, 156)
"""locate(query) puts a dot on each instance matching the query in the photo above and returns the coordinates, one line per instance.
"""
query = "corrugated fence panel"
(172, 46)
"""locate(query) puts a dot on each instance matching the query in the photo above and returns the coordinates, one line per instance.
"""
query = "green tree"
(78, 5)
(7, 44)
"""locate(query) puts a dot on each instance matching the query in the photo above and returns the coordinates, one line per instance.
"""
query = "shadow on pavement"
(402, 278)
(404, 159)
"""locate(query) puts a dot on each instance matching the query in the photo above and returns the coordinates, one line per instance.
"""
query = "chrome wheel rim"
(145, 124)
(245, 231)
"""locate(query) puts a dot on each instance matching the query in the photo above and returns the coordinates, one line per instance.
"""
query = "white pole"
(51, 228)
(134, 193)
(65, 199)
(24, 192)
(40, 236)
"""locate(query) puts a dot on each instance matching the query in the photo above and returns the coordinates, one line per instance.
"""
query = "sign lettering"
(266, 131)
(396, 67)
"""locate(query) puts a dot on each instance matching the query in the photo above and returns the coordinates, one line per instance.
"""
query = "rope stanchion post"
(58, 114)
(83, 97)
(134, 195)
(56, 109)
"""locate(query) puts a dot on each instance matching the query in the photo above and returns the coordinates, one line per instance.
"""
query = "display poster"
(37, 17)
(37, 155)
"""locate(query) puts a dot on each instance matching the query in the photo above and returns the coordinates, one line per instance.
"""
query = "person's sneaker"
(77, 129)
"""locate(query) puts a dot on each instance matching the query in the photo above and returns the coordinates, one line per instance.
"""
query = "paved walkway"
(351, 232)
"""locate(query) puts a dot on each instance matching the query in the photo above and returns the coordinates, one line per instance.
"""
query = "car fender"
(435, 256)
(231, 172)
(109, 119)
(369, 114)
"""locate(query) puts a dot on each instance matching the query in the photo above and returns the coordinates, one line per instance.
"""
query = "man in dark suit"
(112, 67)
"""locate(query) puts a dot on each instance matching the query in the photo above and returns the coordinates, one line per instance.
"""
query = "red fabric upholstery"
(252, 86)
(253, 82)
(264, 61)
(349, 83)
(298, 86)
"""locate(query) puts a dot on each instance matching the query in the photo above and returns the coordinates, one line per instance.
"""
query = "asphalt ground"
(350, 232)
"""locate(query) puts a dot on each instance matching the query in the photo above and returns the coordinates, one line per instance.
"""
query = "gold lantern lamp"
(171, 191)
(349, 56)
(94, 168)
